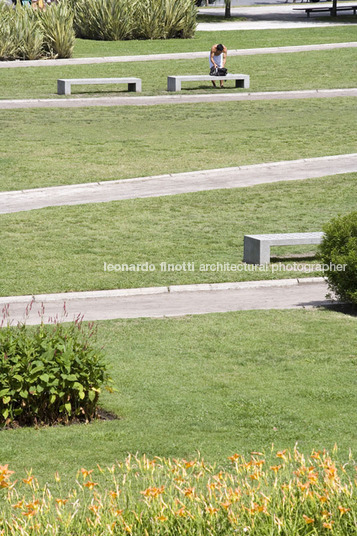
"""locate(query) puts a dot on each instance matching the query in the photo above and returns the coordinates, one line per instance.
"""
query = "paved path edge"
(172, 56)
(184, 98)
(199, 287)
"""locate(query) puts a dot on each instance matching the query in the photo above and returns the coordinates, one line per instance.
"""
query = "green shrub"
(57, 27)
(50, 374)
(339, 246)
(106, 20)
(20, 34)
(165, 19)
(29, 35)
(112, 20)
(8, 42)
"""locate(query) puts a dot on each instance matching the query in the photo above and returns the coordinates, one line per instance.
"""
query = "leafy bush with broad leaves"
(50, 374)
(29, 35)
(339, 246)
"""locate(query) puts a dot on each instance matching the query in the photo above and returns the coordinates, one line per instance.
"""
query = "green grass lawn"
(268, 72)
(204, 40)
(217, 384)
(49, 147)
(65, 248)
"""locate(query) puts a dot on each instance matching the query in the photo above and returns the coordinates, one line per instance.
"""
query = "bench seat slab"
(174, 82)
(64, 85)
(257, 247)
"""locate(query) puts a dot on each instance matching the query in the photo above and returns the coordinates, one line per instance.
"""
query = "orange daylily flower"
(33, 505)
(308, 520)
(328, 525)
(275, 468)
(18, 504)
(234, 458)
(313, 477)
(28, 480)
(153, 492)
(90, 485)
(226, 504)
(212, 511)
(85, 472)
(316, 454)
(61, 502)
(343, 510)
(161, 518)
(29, 513)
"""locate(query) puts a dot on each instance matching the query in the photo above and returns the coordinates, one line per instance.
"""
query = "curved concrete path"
(178, 183)
(172, 56)
(79, 102)
(159, 302)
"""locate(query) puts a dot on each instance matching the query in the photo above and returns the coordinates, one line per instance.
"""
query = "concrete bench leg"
(173, 84)
(63, 87)
(134, 86)
(243, 82)
(256, 251)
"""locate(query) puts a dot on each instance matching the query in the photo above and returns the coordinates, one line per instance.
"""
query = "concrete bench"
(257, 247)
(174, 82)
(64, 85)
(309, 10)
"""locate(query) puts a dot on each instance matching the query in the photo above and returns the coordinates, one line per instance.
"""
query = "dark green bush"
(50, 374)
(339, 247)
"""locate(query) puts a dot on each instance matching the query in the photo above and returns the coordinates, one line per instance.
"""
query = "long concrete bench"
(174, 82)
(257, 247)
(64, 85)
(309, 10)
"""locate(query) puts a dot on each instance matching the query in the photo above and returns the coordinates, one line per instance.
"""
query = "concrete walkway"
(171, 301)
(268, 17)
(178, 183)
(79, 102)
(173, 56)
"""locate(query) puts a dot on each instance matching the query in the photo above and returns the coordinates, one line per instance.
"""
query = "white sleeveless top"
(218, 60)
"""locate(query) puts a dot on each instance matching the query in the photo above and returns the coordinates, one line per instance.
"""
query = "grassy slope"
(51, 147)
(303, 70)
(203, 41)
(219, 384)
(64, 249)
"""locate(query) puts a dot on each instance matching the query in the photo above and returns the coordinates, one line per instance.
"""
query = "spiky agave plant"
(107, 20)
(149, 19)
(30, 35)
(8, 41)
(56, 23)
(165, 19)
